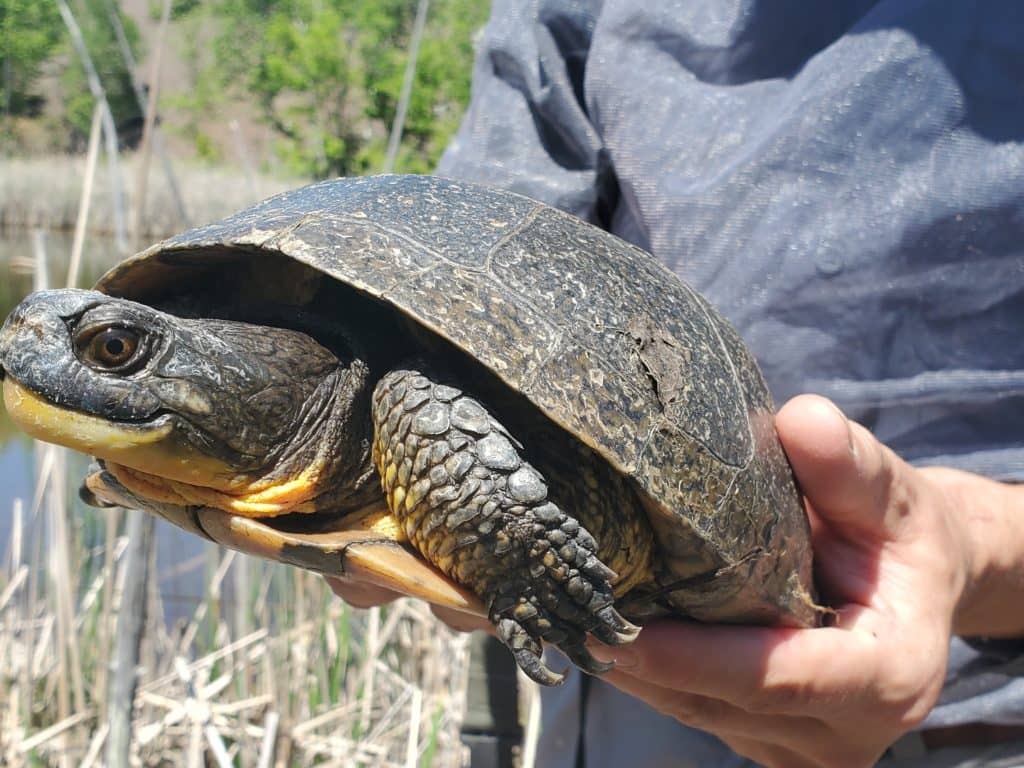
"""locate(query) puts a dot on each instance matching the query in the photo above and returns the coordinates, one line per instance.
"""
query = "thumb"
(849, 478)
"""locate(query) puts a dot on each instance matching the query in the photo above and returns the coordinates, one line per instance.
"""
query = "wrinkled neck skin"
(333, 434)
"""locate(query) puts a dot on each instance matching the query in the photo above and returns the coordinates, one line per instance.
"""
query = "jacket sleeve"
(527, 128)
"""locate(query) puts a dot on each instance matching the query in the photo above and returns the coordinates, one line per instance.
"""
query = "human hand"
(364, 595)
(895, 557)
(360, 594)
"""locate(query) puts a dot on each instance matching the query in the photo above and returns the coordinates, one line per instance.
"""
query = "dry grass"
(282, 673)
(305, 680)
(44, 192)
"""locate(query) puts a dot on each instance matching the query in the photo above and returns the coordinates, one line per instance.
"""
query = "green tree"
(29, 32)
(441, 88)
(93, 16)
(179, 8)
(327, 74)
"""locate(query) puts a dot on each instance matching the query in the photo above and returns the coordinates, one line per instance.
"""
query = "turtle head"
(186, 411)
(211, 423)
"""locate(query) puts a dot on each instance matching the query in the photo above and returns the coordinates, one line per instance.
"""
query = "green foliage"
(441, 88)
(430, 751)
(179, 8)
(29, 32)
(324, 75)
(206, 148)
(327, 75)
(94, 19)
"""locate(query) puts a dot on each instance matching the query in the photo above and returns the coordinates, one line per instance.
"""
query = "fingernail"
(623, 658)
(850, 441)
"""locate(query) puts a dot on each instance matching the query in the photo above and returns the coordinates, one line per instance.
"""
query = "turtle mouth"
(47, 421)
(152, 448)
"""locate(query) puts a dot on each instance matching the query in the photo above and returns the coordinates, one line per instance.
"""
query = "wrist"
(988, 520)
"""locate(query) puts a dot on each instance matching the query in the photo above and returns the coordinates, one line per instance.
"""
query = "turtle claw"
(525, 621)
(527, 653)
(582, 658)
(568, 595)
(612, 629)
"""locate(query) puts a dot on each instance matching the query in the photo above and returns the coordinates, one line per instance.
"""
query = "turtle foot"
(523, 629)
(527, 615)
(527, 652)
(458, 483)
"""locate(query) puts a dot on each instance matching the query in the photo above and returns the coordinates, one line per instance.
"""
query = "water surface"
(17, 261)
(180, 587)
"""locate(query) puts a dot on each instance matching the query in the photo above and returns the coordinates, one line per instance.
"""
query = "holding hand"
(363, 595)
(906, 556)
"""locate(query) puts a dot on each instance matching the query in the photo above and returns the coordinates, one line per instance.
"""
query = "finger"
(849, 478)
(759, 669)
(360, 595)
(770, 755)
(803, 734)
(462, 622)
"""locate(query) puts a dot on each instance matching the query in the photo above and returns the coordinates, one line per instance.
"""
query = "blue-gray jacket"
(844, 180)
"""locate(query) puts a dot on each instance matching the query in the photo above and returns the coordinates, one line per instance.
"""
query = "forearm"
(991, 516)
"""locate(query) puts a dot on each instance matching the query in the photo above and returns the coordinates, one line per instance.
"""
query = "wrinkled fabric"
(843, 180)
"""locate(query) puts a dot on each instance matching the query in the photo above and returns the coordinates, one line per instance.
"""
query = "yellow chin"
(151, 448)
(89, 434)
(151, 461)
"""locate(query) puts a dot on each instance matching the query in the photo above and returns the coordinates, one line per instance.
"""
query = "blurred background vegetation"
(243, 662)
(303, 87)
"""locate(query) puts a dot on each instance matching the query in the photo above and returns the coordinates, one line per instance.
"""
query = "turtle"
(449, 390)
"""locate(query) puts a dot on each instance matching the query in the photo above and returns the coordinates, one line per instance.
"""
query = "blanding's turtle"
(444, 389)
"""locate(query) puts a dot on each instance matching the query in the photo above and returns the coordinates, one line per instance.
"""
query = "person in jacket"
(845, 182)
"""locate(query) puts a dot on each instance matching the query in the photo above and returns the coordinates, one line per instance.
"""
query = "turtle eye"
(113, 348)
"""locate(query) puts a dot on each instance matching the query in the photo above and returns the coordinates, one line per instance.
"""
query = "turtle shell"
(593, 331)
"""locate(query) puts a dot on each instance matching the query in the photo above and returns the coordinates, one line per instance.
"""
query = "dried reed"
(304, 700)
(44, 192)
(284, 675)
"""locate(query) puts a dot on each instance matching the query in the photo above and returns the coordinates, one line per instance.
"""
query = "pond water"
(180, 586)
(17, 270)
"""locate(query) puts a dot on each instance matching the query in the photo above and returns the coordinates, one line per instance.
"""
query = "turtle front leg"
(456, 481)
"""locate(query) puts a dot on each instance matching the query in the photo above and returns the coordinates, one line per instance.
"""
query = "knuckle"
(359, 595)
(780, 697)
(910, 694)
(691, 710)
(912, 709)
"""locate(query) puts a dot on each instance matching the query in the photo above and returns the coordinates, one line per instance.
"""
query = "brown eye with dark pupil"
(113, 347)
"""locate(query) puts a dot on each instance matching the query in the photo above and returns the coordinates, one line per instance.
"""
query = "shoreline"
(44, 192)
